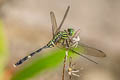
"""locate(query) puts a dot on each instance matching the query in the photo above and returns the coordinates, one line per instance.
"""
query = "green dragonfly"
(67, 39)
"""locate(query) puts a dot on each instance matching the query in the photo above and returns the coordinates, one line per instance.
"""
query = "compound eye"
(71, 31)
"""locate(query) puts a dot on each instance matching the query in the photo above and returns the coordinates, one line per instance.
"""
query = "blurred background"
(27, 27)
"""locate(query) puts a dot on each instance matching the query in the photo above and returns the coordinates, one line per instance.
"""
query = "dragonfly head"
(71, 31)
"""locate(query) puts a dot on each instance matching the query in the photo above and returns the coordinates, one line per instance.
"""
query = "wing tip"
(104, 55)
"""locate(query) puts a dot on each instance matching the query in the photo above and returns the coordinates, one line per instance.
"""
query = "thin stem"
(65, 59)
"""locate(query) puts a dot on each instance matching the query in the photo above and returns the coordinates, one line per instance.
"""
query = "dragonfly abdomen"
(61, 35)
(29, 56)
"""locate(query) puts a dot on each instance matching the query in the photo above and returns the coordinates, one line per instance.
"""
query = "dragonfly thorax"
(62, 36)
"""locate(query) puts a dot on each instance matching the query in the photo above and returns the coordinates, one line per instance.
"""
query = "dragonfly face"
(71, 31)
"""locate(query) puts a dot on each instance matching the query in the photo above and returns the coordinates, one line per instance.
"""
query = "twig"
(65, 59)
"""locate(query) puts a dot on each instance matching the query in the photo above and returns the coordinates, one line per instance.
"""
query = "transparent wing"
(65, 15)
(85, 49)
(53, 22)
(79, 53)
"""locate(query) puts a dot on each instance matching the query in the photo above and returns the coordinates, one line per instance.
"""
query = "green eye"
(71, 31)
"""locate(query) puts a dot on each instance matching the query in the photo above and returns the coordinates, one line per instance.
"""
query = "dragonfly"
(66, 39)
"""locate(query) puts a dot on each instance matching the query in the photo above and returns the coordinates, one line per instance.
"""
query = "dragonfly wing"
(53, 22)
(90, 50)
(82, 55)
(65, 15)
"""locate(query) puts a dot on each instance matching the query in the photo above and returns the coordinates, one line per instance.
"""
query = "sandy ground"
(28, 27)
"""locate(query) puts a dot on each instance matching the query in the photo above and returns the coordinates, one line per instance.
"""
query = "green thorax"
(61, 36)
